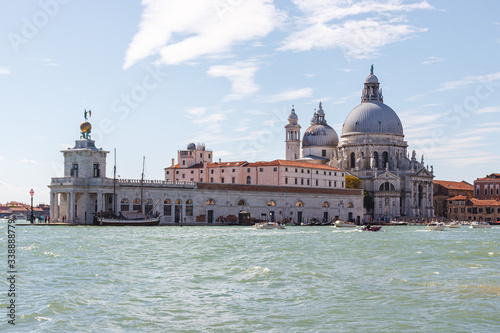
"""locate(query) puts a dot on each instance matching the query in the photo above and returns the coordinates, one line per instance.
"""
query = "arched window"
(353, 160)
(242, 203)
(136, 204)
(210, 202)
(271, 203)
(167, 207)
(189, 207)
(350, 205)
(178, 202)
(375, 157)
(249, 180)
(325, 205)
(387, 187)
(385, 159)
(124, 206)
(299, 204)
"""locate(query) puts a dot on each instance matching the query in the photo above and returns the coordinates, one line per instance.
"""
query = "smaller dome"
(191, 146)
(371, 79)
(320, 135)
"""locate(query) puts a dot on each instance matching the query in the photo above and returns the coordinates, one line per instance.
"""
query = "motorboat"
(269, 225)
(344, 224)
(368, 227)
(484, 225)
(453, 225)
(437, 226)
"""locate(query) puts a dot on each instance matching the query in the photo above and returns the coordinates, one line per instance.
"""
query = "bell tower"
(292, 137)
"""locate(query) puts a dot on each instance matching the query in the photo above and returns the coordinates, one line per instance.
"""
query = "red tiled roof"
(451, 185)
(261, 164)
(458, 197)
(478, 202)
(490, 177)
(212, 165)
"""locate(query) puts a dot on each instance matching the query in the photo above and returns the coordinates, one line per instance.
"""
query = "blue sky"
(160, 74)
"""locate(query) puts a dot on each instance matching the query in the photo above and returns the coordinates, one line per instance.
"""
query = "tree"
(352, 182)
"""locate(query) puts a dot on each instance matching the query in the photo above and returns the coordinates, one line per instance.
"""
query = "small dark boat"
(371, 227)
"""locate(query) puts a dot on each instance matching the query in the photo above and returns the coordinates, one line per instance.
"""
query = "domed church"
(372, 148)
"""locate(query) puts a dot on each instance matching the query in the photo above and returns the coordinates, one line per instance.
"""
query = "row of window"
(275, 169)
(486, 191)
(96, 171)
(167, 204)
(476, 210)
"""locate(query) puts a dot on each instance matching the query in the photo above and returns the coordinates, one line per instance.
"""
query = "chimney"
(173, 162)
(220, 162)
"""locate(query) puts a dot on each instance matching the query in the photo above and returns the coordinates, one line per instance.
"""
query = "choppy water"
(237, 279)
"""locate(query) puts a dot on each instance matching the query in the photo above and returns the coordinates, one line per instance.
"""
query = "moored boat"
(130, 219)
(437, 226)
(484, 225)
(344, 224)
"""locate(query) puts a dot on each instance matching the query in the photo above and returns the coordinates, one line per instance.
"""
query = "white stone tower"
(292, 137)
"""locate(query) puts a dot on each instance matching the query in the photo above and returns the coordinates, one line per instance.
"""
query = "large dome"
(372, 117)
(320, 135)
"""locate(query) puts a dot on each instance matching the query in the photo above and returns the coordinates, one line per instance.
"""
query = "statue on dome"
(413, 155)
(371, 70)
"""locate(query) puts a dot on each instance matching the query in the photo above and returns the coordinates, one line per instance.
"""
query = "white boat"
(438, 226)
(480, 225)
(453, 225)
(269, 225)
(344, 224)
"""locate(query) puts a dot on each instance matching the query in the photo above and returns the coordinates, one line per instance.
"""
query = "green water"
(238, 279)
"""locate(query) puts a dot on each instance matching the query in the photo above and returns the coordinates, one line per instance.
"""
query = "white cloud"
(468, 80)
(489, 109)
(359, 38)
(24, 160)
(178, 32)
(432, 60)
(210, 124)
(241, 77)
(1, 158)
(289, 95)
(4, 70)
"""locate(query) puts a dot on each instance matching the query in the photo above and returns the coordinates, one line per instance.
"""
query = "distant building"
(462, 208)
(444, 189)
(487, 188)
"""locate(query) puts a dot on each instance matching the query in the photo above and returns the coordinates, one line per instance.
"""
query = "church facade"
(372, 148)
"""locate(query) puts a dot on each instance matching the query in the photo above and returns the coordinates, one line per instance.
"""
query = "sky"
(158, 75)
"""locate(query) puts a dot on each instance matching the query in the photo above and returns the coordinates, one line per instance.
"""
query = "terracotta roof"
(212, 165)
(478, 202)
(490, 177)
(451, 185)
(458, 197)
